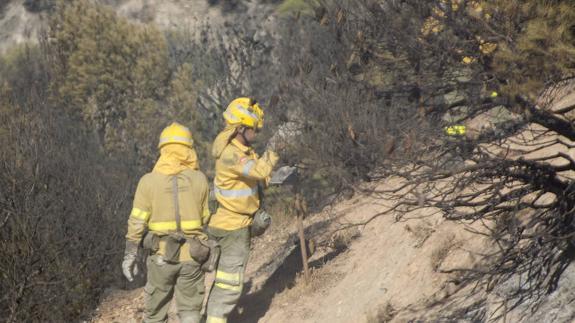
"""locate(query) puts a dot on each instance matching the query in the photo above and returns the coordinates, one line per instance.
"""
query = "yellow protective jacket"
(239, 171)
(154, 205)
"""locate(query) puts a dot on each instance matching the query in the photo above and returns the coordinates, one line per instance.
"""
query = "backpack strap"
(177, 205)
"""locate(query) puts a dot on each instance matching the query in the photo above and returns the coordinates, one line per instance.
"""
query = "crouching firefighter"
(170, 207)
(240, 174)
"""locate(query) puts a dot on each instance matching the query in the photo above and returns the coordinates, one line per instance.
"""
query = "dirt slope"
(384, 271)
(387, 267)
(359, 274)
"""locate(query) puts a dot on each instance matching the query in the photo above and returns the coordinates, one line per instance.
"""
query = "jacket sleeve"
(141, 212)
(256, 168)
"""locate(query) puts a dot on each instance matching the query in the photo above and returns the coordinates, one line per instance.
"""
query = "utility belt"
(204, 252)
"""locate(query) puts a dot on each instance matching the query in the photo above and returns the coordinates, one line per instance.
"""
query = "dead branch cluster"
(513, 170)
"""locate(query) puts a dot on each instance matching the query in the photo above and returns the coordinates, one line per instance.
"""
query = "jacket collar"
(241, 146)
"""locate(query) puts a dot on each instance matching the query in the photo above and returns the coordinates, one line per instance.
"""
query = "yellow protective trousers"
(227, 288)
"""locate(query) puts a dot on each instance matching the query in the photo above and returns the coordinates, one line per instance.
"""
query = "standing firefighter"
(240, 175)
(170, 207)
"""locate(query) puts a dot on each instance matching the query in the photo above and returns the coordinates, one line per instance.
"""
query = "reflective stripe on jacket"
(238, 172)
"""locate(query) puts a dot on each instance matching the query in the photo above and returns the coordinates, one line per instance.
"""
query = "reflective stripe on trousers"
(213, 319)
(233, 279)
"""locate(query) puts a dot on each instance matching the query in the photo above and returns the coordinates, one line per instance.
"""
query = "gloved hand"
(260, 223)
(129, 265)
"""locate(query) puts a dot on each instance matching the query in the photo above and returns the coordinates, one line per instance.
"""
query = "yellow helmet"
(176, 134)
(245, 112)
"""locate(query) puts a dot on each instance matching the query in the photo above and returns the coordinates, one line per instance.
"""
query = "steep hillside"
(399, 272)
(383, 271)
(368, 265)
(374, 272)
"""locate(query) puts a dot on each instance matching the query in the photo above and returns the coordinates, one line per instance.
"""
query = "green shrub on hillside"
(182, 99)
(544, 46)
(80, 116)
(64, 203)
(109, 70)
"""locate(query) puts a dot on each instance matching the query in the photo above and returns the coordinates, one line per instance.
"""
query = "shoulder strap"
(177, 204)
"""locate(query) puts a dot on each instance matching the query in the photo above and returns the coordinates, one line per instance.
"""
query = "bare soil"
(386, 271)
(356, 272)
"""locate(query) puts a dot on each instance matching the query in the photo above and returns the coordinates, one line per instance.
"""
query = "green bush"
(64, 202)
(110, 72)
(80, 116)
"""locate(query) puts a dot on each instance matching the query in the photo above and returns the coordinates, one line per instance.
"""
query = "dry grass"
(421, 232)
(383, 314)
(321, 279)
(342, 239)
(442, 250)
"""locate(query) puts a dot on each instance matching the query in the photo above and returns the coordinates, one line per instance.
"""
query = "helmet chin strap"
(246, 141)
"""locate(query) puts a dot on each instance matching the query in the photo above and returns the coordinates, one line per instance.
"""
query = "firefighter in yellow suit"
(169, 210)
(239, 173)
